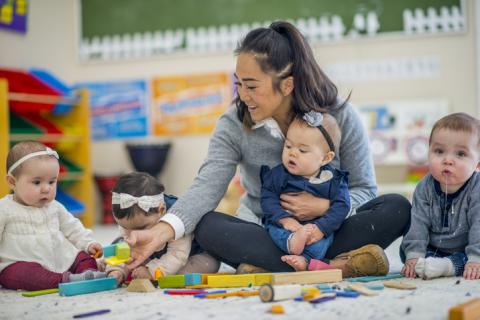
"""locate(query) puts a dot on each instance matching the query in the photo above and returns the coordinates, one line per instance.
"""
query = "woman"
(277, 77)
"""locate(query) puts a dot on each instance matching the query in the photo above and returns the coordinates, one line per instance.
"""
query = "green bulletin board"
(112, 17)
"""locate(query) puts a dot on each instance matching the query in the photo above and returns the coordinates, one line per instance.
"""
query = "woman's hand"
(304, 206)
(408, 269)
(472, 271)
(144, 243)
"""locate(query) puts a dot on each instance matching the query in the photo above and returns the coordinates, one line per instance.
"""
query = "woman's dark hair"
(136, 184)
(282, 51)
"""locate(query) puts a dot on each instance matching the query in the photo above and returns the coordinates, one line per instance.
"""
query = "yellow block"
(238, 280)
(113, 261)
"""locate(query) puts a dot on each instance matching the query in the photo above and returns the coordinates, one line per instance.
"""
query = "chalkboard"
(113, 17)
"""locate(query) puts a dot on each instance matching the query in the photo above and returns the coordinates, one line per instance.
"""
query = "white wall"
(52, 41)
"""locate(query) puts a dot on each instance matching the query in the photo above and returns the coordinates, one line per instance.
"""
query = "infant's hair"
(458, 122)
(137, 184)
(331, 126)
(20, 150)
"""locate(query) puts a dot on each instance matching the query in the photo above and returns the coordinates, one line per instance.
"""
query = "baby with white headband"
(310, 145)
(138, 202)
(41, 243)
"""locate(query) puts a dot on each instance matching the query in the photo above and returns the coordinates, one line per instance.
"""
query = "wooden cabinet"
(71, 140)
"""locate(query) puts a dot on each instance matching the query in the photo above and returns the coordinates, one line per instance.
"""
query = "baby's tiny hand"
(408, 269)
(141, 273)
(315, 233)
(95, 250)
(472, 271)
(117, 275)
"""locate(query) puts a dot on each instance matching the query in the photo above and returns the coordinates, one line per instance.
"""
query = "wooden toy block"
(307, 277)
(173, 281)
(113, 261)
(206, 275)
(399, 285)
(469, 310)
(239, 280)
(193, 279)
(87, 286)
(109, 251)
(375, 278)
(362, 290)
(122, 251)
(277, 309)
(140, 285)
(39, 292)
(198, 286)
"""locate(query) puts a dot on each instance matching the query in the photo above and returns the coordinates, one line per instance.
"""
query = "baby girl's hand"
(408, 269)
(95, 250)
(315, 233)
(472, 271)
(117, 275)
(141, 273)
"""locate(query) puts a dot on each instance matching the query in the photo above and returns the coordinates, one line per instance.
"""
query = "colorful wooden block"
(307, 277)
(469, 310)
(375, 278)
(39, 292)
(174, 281)
(122, 251)
(140, 285)
(114, 260)
(239, 280)
(109, 251)
(87, 286)
(193, 279)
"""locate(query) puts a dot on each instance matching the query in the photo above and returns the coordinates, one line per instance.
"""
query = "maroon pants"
(32, 276)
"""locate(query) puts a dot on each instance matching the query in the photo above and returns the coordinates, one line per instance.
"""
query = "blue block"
(193, 279)
(109, 251)
(376, 278)
(87, 286)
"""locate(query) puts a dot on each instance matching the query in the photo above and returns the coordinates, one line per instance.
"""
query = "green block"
(175, 281)
(122, 251)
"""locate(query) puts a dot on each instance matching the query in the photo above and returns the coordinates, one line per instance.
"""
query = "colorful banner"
(189, 104)
(13, 15)
(118, 109)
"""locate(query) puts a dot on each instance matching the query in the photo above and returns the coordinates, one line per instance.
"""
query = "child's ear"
(11, 181)
(328, 157)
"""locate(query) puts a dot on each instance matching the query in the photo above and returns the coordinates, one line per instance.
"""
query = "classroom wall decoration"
(144, 28)
(13, 15)
(189, 104)
(399, 130)
(118, 109)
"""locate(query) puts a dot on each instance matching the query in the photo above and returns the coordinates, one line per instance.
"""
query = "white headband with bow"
(126, 200)
(46, 152)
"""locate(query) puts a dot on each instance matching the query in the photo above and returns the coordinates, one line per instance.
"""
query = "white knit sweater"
(50, 236)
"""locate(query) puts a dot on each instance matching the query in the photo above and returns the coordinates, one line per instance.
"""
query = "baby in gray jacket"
(444, 236)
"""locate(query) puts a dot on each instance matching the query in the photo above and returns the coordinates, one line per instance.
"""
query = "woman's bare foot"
(297, 241)
(299, 263)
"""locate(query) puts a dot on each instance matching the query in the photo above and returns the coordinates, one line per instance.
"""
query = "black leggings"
(234, 241)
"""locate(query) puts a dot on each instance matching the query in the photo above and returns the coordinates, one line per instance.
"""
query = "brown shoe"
(369, 260)
(244, 268)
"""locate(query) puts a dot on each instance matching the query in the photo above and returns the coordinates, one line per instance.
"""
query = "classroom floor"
(431, 300)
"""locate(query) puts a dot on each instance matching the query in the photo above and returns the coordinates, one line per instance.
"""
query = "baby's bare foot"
(297, 241)
(299, 263)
